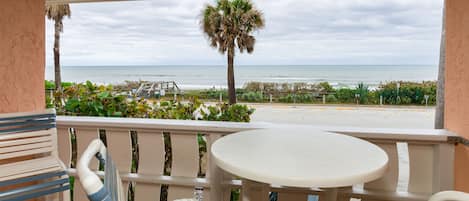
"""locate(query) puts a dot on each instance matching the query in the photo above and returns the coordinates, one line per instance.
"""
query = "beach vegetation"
(331, 98)
(297, 98)
(252, 96)
(229, 25)
(362, 91)
(392, 93)
(345, 95)
(89, 99)
(404, 93)
(50, 85)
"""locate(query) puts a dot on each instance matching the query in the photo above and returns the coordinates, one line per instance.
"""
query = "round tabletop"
(300, 157)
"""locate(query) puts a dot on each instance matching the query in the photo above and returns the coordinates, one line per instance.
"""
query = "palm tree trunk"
(231, 80)
(58, 78)
(440, 92)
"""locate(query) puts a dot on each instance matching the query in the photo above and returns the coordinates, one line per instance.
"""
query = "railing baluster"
(64, 148)
(151, 162)
(64, 145)
(185, 162)
(421, 158)
(443, 167)
(83, 138)
(119, 145)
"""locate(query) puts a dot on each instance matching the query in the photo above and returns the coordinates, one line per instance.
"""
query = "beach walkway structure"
(152, 89)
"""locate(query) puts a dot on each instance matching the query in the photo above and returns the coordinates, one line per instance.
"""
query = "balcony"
(421, 161)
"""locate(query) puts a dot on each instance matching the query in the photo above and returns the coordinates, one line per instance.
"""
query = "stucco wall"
(22, 55)
(457, 83)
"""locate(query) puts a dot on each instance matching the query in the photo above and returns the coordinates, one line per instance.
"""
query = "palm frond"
(228, 24)
(57, 13)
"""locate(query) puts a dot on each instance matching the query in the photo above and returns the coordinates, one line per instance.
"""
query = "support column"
(22, 55)
(457, 85)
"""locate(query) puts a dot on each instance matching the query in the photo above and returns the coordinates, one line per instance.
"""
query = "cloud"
(296, 32)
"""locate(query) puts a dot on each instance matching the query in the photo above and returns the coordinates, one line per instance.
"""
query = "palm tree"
(228, 25)
(57, 12)
(440, 95)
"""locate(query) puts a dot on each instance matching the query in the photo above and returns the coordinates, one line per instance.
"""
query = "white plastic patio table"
(300, 158)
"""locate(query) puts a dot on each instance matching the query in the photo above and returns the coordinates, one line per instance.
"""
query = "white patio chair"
(450, 196)
(29, 163)
(111, 190)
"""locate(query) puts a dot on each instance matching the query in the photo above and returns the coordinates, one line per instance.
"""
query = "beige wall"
(457, 83)
(22, 55)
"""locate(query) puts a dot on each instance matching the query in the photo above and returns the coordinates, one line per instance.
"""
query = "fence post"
(324, 99)
(381, 100)
(270, 98)
(426, 99)
(221, 97)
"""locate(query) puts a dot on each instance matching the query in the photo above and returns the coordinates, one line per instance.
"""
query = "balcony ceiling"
(49, 2)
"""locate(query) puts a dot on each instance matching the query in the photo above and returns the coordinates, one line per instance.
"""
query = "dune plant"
(229, 25)
(362, 90)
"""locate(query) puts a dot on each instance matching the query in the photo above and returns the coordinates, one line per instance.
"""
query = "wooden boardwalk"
(152, 89)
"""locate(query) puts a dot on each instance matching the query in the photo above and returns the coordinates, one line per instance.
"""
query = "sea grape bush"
(88, 99)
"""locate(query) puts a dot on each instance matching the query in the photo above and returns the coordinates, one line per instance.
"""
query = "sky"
(297, 32)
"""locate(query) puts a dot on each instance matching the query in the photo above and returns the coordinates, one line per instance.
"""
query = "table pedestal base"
(254, 191)
(330, 194)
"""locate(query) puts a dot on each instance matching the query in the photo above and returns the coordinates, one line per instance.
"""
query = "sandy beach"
(346, 115)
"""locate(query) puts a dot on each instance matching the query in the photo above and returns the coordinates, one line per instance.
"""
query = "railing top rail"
(424, 135)
(164, 124)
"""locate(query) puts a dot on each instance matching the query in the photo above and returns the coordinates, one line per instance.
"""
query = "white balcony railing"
(421, 161)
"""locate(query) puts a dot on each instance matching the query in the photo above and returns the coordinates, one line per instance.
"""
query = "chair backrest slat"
(29, 166)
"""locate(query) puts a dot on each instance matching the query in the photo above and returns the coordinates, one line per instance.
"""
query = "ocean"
(209, 76)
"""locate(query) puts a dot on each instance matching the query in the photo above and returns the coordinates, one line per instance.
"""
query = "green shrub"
(346, 95)
(297, 98)
(362, 91)
(252, 97)
(88, 99)
(326, 87)
(211, 94)
(50, 85)
(331, 98)
(408, 93)
(235, 113)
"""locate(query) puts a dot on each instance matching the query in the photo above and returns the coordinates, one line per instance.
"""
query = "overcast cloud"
(296, 32)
